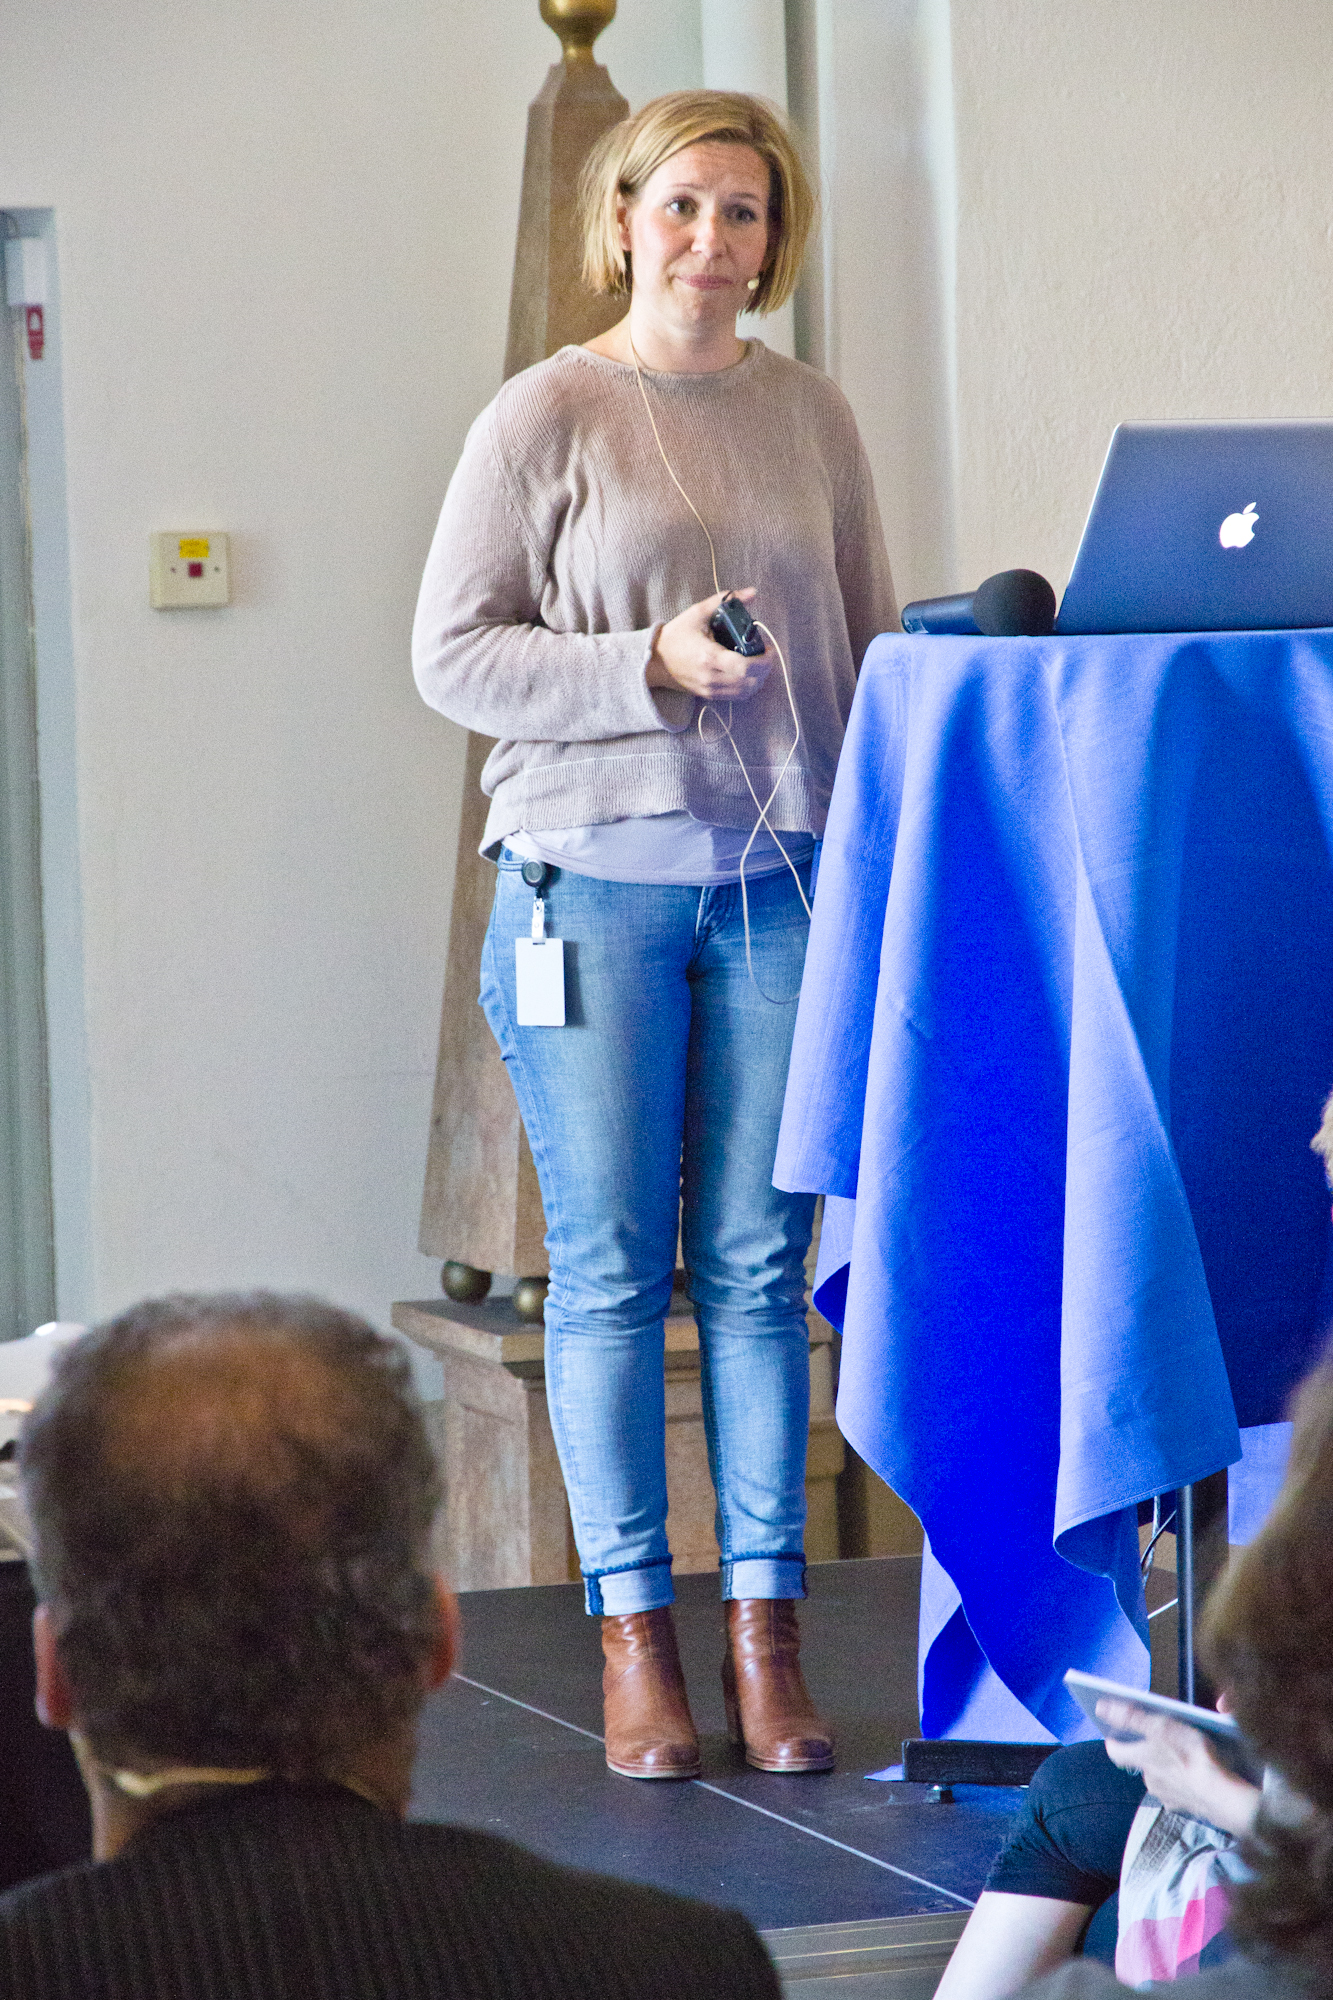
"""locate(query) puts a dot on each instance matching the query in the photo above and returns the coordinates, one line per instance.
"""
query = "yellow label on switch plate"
(194, 551)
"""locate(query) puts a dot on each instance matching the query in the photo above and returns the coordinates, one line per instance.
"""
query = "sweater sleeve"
(863, 563)
(480, 652)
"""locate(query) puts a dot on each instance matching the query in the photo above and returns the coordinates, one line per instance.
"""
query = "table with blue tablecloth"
(1064, 1036)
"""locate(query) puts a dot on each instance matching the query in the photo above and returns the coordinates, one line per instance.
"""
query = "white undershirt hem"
(668, 848)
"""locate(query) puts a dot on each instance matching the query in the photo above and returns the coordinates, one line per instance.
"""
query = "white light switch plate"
(25, 271)
(188, 566)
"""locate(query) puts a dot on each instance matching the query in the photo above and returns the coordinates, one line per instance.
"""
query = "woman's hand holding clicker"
(1178, 1767)
(688, 657)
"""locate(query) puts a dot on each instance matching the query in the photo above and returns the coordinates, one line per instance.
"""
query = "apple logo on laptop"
(1237, 531)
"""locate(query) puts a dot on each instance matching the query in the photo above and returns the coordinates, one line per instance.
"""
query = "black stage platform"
(860, 1888)
(512, 1744)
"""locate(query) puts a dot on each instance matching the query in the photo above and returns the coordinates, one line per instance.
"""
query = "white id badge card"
(541, 982)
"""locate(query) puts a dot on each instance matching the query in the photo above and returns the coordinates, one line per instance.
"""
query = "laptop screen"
(1208, 528)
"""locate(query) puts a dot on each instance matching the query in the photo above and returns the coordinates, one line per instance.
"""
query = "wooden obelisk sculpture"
(482, 1210)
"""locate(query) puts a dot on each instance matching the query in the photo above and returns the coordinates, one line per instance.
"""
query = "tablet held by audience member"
(1268, 1638)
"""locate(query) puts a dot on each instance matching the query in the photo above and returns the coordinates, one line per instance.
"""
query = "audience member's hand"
(687, 657)
(1178, 1767)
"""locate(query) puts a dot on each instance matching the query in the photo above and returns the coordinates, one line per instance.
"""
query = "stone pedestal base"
(506, 1520)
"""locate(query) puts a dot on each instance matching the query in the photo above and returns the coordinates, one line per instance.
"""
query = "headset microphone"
(1012, 604)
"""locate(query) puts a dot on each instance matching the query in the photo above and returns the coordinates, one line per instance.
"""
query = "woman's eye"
(680, 205)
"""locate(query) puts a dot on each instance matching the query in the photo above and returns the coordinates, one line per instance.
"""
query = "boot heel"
(732, 1705)
(731, 1702)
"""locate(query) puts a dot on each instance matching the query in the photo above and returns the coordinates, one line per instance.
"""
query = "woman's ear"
(55, 1703)
(622, 222)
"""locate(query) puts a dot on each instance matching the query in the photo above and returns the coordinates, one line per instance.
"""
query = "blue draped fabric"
(1064, 1035)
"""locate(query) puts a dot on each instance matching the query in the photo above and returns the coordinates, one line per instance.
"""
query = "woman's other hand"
(688, 657)
(1178, 1767)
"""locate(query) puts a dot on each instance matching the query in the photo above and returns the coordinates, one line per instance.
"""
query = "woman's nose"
(708, 233)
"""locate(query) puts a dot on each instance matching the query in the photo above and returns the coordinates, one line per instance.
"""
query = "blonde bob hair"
(630, 153)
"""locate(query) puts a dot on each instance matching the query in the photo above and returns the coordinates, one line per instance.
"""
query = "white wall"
(1143, 231)
(869, 80)
(285, 239)
(1041, 220)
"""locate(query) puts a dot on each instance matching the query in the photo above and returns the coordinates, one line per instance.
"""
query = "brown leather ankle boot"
(769, 1711)
(649, 1731)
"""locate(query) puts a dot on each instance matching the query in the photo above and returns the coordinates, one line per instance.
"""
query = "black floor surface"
(512, 1744)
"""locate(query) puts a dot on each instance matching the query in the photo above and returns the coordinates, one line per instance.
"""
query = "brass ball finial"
(578, 24)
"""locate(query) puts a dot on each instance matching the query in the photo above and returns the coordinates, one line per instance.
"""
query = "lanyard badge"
(539, 964)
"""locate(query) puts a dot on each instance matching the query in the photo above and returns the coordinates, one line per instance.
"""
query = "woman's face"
(698, 232)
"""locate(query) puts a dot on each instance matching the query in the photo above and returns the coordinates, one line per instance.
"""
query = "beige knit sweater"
(563, 546)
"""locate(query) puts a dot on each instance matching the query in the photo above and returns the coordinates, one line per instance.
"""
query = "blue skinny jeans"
(660, 1099)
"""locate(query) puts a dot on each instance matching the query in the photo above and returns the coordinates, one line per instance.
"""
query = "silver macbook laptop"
(1208, 528)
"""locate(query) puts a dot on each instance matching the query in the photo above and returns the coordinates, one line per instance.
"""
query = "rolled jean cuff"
(764, 1576)
(615, 1593)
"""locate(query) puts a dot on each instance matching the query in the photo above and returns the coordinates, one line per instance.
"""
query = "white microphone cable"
(707, 706)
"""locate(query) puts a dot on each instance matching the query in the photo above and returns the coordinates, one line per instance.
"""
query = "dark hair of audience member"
(232, 1500)
(1268, 1636)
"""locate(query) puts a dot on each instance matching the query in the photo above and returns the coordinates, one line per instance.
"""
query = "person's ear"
(55, 1703)
(441, 1663)
(622, 222)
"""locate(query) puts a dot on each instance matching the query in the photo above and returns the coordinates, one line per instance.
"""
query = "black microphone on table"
(1012, 604)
